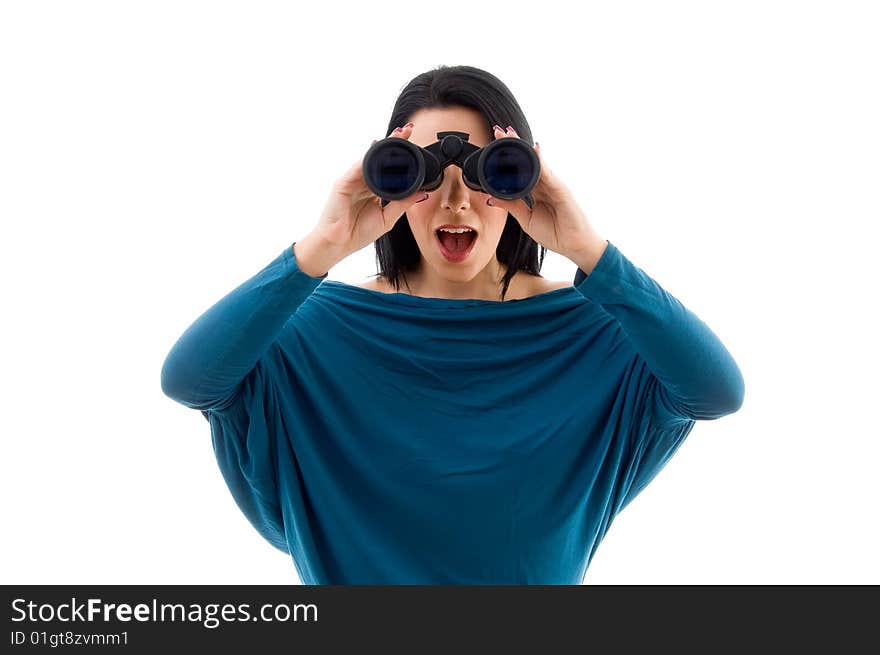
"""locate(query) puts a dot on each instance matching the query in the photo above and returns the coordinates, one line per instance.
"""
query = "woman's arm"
(205, 367)
(698, 378)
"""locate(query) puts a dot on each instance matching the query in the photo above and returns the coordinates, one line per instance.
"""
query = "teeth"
(456, 230)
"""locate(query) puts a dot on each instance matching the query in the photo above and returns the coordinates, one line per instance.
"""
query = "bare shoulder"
(533, 285)
(524, 285)
(552, 285)
(375, 284)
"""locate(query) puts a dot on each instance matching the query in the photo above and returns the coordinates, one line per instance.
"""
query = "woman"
(484, 426)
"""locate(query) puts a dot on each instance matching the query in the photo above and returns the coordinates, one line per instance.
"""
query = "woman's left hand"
(556, 221)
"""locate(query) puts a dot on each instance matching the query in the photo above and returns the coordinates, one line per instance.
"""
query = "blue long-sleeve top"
(384, 438)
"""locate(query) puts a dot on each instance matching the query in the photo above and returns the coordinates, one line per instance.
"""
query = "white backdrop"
(154, 155)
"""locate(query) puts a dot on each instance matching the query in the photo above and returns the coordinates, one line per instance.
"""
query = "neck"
(486, 285)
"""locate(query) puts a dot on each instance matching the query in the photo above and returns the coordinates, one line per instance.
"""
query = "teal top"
(396, 439)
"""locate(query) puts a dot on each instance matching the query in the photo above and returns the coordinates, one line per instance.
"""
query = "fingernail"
(490, 202)
(423, 199)
(497, 127)
(510, 127)
(409, 124)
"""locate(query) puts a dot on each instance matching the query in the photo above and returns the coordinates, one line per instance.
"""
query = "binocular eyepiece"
(506, 168)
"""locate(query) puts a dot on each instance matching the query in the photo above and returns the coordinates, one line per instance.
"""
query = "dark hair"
(443, 87)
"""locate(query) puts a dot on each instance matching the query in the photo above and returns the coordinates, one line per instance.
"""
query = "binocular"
(506, 168)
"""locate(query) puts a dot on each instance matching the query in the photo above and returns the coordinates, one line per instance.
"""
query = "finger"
(518, 208)
(500, 132)
(402, 132)
(396, 208)
(548, 181)
(353, 179)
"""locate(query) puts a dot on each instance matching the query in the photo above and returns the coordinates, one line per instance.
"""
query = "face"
(454, 203)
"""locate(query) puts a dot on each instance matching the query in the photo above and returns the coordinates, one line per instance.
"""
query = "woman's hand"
(353, 217)
(556, 221)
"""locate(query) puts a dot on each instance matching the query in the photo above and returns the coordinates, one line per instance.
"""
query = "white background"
(154, 155)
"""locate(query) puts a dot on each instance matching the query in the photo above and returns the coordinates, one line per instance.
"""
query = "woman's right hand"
(353, 217)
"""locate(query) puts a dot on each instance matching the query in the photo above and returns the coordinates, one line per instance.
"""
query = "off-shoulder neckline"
(424, 301)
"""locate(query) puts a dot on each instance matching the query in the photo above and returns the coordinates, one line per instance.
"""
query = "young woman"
(483, 426)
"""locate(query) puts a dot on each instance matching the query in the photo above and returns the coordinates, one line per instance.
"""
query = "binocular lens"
(393, 169)
(507, 169)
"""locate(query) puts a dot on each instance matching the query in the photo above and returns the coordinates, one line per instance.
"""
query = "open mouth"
(456, 247)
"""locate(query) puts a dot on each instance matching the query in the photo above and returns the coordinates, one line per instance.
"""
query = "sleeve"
(206, 366)
(221, 366)
(694, 375)
(245, 441)
(650, 446)
(682, 372)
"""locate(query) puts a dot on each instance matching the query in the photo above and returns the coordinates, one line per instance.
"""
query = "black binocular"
(506, 168)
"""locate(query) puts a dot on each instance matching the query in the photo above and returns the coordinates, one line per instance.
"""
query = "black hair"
(443, 87)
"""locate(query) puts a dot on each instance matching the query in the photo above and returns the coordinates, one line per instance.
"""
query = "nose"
(455, 194)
